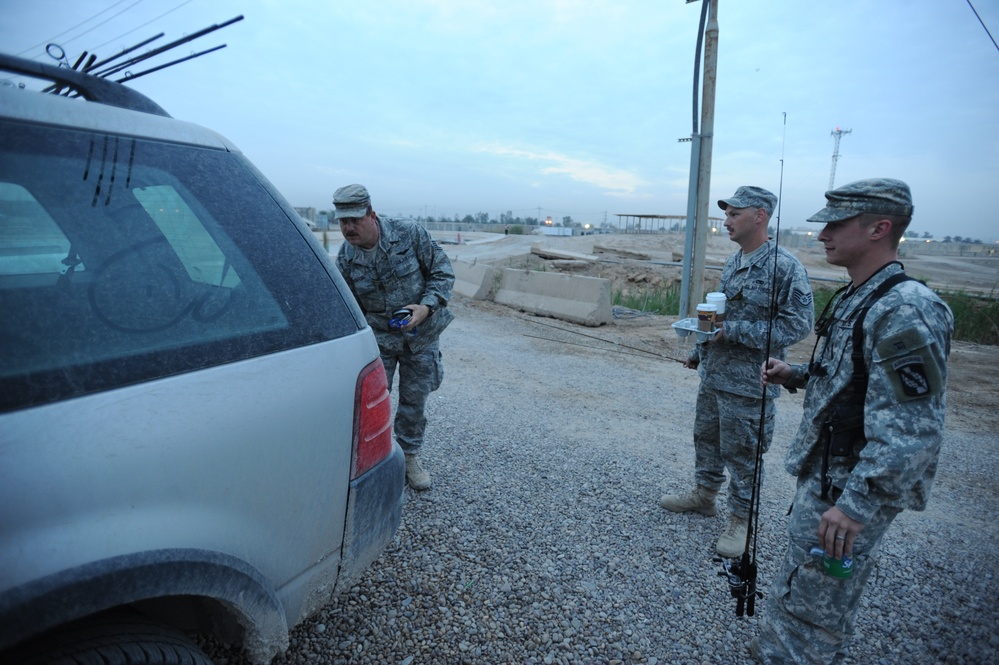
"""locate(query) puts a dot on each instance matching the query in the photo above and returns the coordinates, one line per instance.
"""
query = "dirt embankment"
(635, 262)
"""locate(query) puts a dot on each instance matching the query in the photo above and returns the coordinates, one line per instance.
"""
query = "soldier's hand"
(837, 532)
(420, 314)
(775, 371)
(692, 363)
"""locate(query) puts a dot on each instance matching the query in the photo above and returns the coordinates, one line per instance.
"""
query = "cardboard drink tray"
(685, 327)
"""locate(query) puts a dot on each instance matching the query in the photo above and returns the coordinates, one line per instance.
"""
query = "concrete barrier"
(473, 280)
(584, 300)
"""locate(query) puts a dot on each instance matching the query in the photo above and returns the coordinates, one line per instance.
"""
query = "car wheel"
(111, 639)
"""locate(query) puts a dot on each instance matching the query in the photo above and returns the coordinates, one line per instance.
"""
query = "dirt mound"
(973, 369)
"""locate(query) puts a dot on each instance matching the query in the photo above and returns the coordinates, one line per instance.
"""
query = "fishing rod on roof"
(123, 52)
(129, 76)
(93, 68)
(166, 47)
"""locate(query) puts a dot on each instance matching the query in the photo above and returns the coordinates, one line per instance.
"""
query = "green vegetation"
(664, 300)
(821, 296)
(975, 319)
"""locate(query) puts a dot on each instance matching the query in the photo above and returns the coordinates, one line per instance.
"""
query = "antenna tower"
(837, 134)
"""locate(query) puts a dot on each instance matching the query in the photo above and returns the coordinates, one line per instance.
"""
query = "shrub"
(976, 319)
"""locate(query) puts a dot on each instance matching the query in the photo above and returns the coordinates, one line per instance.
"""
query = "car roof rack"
(92, 88)
(93, 85)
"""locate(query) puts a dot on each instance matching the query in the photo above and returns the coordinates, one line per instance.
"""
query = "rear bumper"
(374, 510)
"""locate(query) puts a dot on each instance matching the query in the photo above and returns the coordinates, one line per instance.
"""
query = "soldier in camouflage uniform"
(390, 265)
(727, 418)
(849, 491)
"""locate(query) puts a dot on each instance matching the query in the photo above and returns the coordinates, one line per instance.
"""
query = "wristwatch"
(432, 308)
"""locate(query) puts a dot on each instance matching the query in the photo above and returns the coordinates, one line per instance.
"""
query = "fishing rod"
(597, 348)
(166, 47)
(129, 76)
(606, 341)
(123, 52)
(93, 68)
(741, 573)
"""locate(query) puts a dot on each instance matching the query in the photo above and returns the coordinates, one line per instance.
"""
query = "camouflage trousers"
(809, 616)
(419, 375)
(726, 429)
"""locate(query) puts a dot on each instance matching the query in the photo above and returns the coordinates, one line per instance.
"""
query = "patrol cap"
(878, 195)
(751, 197)
(351, 201)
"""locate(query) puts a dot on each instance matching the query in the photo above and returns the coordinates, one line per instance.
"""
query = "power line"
(985, 27)
(107, 20)
(52, 39)
(170, 11)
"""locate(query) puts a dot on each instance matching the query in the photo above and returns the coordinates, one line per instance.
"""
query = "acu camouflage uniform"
(727, 418)
(810, 616)
(406, 267)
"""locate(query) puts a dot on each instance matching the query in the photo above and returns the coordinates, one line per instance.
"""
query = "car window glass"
(197, 250)
(124, 260)
(31, 243)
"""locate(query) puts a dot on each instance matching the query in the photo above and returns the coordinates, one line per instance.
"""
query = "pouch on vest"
(845, 429)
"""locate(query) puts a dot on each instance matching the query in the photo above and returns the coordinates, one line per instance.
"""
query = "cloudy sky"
(571, 107)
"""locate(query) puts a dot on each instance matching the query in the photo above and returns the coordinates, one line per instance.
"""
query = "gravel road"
(542, 541)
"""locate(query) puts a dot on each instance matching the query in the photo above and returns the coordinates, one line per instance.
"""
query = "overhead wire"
(85, 21)
(152, 20)
(91, 29)
(984, 27)
(104, 22)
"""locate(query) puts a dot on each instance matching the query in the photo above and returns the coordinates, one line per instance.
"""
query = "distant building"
(308, 214)
(555, 231)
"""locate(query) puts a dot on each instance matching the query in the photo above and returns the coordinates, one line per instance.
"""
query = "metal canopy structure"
(632, 223)
(647, 223)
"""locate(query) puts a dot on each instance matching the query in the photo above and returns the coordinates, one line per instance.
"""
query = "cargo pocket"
(815, 598)
(438, 371)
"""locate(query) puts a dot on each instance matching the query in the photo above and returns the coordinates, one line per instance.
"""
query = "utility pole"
(696, 239)
(837, 134)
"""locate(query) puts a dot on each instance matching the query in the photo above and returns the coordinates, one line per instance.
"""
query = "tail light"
(372, 419)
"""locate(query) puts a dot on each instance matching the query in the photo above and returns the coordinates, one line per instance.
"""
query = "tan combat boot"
(700, 500)
(733, 541)
(418, 477)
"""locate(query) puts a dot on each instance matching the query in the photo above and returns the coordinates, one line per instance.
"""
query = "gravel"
(542, 541)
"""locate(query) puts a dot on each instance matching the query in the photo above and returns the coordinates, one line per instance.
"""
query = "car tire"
(116, 638)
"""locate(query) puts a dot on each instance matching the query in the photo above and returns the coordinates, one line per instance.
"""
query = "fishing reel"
(741, 576)
(400, 318)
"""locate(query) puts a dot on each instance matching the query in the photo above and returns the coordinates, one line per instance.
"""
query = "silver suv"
(195, 429)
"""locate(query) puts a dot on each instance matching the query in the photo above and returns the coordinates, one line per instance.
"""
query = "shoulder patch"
(909, 366)
(901, 343)
(910, 373)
